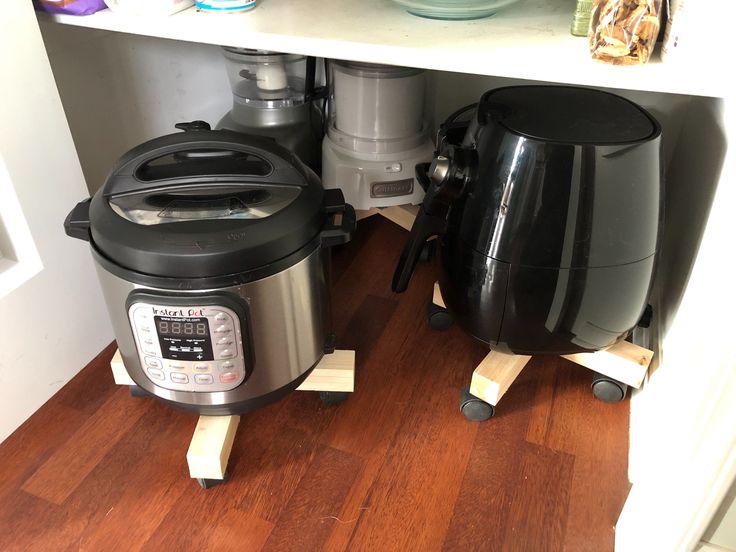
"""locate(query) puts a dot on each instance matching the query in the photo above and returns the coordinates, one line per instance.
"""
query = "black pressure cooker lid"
(205, 203)
(564, 114)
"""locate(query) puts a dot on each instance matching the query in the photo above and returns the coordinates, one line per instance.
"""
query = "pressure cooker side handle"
(341, 221)
(76, 224)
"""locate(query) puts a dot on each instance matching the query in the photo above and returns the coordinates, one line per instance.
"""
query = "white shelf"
(529, 40)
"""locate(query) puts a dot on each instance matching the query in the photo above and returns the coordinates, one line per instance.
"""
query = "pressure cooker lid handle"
(213, 156)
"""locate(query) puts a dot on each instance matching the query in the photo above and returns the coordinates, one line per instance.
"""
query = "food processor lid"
(375, 71)
(205, 203)
(265, 79)
(249, 55)
(565, 114)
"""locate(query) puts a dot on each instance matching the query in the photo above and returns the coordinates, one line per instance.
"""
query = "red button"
(228, 377)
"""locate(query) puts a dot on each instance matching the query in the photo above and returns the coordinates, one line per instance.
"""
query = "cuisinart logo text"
(177, 312)
(392, 189)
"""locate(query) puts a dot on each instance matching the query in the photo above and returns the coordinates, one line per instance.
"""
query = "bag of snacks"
(624, 32)
(72, 7)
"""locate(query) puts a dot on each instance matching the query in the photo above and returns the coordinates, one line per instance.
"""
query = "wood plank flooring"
(396, 467)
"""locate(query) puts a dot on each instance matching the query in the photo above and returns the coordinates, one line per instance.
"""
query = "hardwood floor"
(396, 467)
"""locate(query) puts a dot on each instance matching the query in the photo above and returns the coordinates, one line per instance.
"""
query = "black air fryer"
(548, 206)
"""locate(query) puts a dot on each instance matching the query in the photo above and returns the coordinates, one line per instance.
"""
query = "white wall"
(54, 323)
(722, 529)
(683, 439)
(119, 90)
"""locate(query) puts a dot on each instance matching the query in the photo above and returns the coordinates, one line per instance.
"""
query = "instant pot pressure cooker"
(549, 205)
(212, 249)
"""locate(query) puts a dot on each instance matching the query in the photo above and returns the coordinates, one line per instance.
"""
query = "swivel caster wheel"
(473, 408)
(138, 392)
(439, 318)
(608, 389)
(209, 483)
(332, 398)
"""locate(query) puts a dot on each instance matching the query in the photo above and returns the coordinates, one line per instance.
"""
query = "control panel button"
(148, 341)
(148, 350)
(225, 366)
(228, 377)
(227, 353)
(202, 367)
(145, 328)
(179, 378)
(176, 366)
(222, 330)
(221, 317)
(153, 362)
(156, 374)
(225, 341)
(204, 379)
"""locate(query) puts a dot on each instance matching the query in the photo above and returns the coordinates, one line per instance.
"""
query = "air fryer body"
(551, 249)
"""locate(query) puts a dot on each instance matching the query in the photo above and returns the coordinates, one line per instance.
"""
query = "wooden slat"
(335, 372)
(119, 373)
(211, 445)
(437, 296)
(494, 375)
(402, 215)
(625, 362)
(361, 214)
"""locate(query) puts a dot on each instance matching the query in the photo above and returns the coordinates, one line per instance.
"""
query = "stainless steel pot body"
(288, 324)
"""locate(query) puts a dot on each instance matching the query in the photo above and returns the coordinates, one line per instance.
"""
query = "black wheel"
(428, 251)
(331, 398)
(608, 389)
(209, 483)
(137, 392)
(646, 319)
(439, 318)
(473, 408)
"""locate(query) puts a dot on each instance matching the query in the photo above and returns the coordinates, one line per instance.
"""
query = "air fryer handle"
(76, 224)
(425, 226)
(444, 182)
(336, 208)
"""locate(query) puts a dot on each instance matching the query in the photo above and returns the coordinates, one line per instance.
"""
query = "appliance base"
(209, 450)
(624, 364)
(371, 180)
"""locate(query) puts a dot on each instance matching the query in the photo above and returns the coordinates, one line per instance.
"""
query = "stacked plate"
(454, 9)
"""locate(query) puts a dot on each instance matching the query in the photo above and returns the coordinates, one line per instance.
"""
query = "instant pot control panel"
(197, 344)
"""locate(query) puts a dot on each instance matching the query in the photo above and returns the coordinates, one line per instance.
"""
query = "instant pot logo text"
(178, 312)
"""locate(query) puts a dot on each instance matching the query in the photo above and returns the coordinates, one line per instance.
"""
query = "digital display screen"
(184, 338)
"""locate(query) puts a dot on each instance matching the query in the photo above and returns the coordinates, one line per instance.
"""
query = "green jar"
(581, 19)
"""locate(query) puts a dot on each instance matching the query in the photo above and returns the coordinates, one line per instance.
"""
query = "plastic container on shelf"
(225, 6)
(624, 32)
(148, 7)
(454, 9)
(69, 7)
(581, 18)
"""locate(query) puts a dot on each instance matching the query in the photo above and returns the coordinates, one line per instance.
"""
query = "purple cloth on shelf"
(72, 7)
